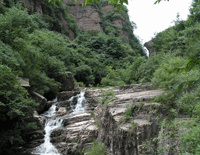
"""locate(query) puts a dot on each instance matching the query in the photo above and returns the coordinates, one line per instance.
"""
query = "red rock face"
(107, 8)
(87, 17)
(66, 28)
(33, 6)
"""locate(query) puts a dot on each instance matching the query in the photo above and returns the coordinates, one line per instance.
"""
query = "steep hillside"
(43, 42)
(67, 17)
(174, 66)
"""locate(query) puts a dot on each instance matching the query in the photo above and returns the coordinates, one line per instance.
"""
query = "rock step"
(137, 96)
(123, 133)
(139, 110)
(75, 136)
(34, 143)
(74, 118)
(76, 128)
(120, 89)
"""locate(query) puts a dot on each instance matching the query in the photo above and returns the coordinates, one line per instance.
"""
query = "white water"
(81, 103)
(47, 147)
(51, 124)
(52, 110)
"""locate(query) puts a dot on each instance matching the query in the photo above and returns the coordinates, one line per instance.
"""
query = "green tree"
(15, 105)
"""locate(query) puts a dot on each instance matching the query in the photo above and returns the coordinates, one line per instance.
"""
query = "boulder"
(39, 120)
(62, 96)
(48, 105)
(41, 100)
(38, 134)
(64, 103)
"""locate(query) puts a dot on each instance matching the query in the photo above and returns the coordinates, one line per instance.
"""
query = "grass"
(132, 127)
(96, 149)
(107, 96)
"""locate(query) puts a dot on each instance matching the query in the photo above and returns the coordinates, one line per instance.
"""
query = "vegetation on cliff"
(175, 69)
(36, 47)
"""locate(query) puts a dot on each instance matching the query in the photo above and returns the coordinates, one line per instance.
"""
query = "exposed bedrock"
(108, 124)
(126, 137)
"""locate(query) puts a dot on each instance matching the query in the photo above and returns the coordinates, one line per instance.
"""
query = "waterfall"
(52, 110)
(81, 103)
(51, 124)
(47, 148)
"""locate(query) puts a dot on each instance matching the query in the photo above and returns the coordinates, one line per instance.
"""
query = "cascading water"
(81, 103)
(47, 147)
(52, 110)
(51, 124)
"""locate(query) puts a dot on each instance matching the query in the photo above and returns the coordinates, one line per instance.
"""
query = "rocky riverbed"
(106, 123)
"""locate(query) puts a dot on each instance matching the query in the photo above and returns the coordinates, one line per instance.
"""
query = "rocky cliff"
(90, 17)
(87, 17)
(123, 125)
(148, 45)
(70, 18)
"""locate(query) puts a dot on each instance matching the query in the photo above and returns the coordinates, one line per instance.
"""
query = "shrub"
(14, 106)
(107, 96)
(163, 79)
(17, 23)
(84, 73)
(111, 79)
(96, 149)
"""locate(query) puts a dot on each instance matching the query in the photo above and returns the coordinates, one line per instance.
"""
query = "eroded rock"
(108, 124)
(124, 137)
(41, 100)
(62, 96)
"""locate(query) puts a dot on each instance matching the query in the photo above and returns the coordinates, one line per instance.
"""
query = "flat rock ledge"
(122, 136)
(108, 124)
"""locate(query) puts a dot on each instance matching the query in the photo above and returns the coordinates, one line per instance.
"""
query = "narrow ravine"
(52, 123)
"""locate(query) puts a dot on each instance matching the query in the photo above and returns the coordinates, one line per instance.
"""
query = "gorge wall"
(87, 17)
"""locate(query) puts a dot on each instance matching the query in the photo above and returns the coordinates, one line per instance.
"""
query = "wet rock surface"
(106, 123)
(41, 100)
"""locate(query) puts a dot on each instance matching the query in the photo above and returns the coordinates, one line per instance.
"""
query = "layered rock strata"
(87, 17)
(108, 124)
(123, 137)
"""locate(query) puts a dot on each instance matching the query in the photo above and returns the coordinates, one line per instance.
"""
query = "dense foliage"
(176, 69)
(37, 47)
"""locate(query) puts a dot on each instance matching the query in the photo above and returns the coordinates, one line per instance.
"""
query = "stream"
(52, 123)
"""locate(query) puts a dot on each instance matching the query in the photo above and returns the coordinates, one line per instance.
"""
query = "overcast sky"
(151, 18)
